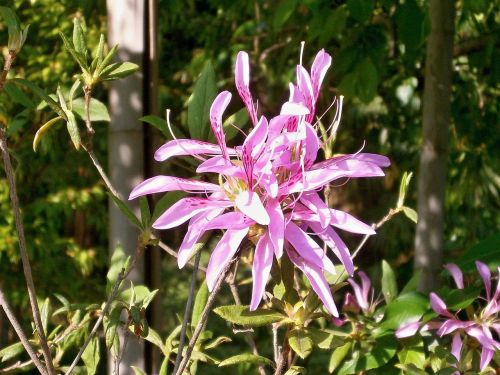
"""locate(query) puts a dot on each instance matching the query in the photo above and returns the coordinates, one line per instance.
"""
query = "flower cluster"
(268, 187)
(479, 326)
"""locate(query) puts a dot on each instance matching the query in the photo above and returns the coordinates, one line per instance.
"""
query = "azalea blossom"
(268, 188)
(480, 327)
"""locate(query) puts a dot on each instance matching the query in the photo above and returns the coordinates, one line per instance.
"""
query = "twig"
(170, 251)
(120, 355)
(231, 280)
(87, 90)
(17, 327)
(275, 342)
(24, 252)
(6, 67)
(204, 316)
(280, 365)
(101, 171)
(187, 312)
(116, 287)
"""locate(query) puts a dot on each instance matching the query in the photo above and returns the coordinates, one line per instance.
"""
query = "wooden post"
(126, 27)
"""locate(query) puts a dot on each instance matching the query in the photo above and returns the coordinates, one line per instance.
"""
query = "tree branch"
(20, 333)
(204, 316)
(6, 68)
(9, 171)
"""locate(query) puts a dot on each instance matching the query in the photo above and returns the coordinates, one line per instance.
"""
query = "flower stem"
(204, 316)
(24, 252)
(17, 327)
(6, 68)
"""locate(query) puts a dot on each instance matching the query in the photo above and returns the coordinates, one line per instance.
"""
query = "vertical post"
(126, 27)
(434, 152)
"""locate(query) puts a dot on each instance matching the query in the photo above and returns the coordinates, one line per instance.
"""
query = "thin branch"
(282, 360)
(275, 342)
(187, 312)
(114, 292)
(204, 316)
(231, 280)
(172, 252)
(6, 68)
(17, 327)
(101, 171)
(120, 355)
(87, 90)
(9, 171)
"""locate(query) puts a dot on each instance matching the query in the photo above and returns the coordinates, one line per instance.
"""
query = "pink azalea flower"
(485, 321)
(268, 188)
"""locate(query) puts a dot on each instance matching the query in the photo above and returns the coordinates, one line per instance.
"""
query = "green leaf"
(486, 251)
(406, 308)
(117, 263)
(241, 315)
(118, 71)
(45, 314)
(71, 96)
(283, 12)
(410, 213)
(324, 338)
(338, 356)
(73, 130)
(107, 59)
(145, 213)
(367, 79)
(412, 284)
(158, 123)
(111, 324)
(38, 91)
(300, 343)
(413, 352)
(43, 129)
(91, 356)
(361, 10)
(234, 122)
(215, 343)
(137, 371)
(389, 284)
(98, 53)
(457, 299)
(199, 103)
(295, 370)
(382, 352)
(11, 351)
(10, 19)
(403, 188)
(126, 211)
(17, 95)
(410, 28)
(97, 110)
(79, 37)
(246, 358)
(199, 303)
(77, 56)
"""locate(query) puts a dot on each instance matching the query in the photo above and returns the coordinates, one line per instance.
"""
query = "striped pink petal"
(319, 67)
(242, 81)
(485, 274)
(262, 262)
(276, 227)
(181, 147)
(456, 273)
(216, 111)
(250, 204)
(160, 184)
(439, 306)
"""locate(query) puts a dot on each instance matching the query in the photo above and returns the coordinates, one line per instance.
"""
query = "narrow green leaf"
(11, 351)
(98, 54)
(283, 12)
(241, 315)
(300, 343)
(118, 261)
(45, 314)
(126, 211)
(389, 284)
(338, 356)
(324, 338)
(107, 59)
(215, 343)
(382, 352)
(10, 19)
(118, 70)
(411, 214)
(145, 213)
(246, 358)
(199, 303)
(295, 370)
(79, 37)
(17, 95)
(412, 284)
(97, 110)
(91, 356)
(74, 88)
(199, 103)
(137, 371)
(235, 123)
(38, 91)
(73, 131)
(77, 56)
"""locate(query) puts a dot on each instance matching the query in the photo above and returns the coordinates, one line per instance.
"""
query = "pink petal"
(218, 164)
(439, 306)
(250, 204)
(380, 160)
(485, 274)
(317, 280)
(456, 345)
(407, 330)
(294, 109)
(185, 209)
(456, 273)
(362, 302)
(334, 242)
(179, 147)
(160, 184)
(451, 325)
(193, 234)
(312, 145)
(262, 262)
(347, 222)
(305, 88)
(486, 356)
(216, 111)
(307, 248)
(255, 140)
(223, 253)
(242, 80)
(276, 227)
(365, 285)
(312, 200)
(319, 67)
(230, 220)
